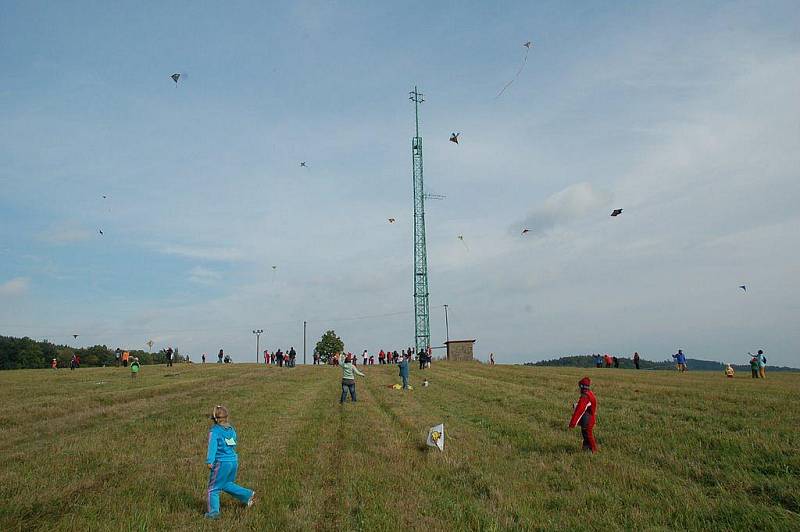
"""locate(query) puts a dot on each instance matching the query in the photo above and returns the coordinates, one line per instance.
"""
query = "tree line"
(26, 353)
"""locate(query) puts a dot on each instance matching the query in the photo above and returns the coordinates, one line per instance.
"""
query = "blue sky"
(683, 113)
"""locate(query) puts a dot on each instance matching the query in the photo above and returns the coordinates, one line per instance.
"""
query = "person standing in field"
(403, 363)
(598, 360)
(762, 364)
(607, 359)
(54, 363)
(266, 357)
(491, 359)
(73, 362)
(220, 356)
(125, 358)
(204, 358)
(364, 356)
(680, 360)
(636, 359)
(616, 361)
(349, 372)
(292, 357)
(223, 464)
(117, 355)
(135, 367)
(584, 414)
(729, 371)
(754, 367)
(169, 357)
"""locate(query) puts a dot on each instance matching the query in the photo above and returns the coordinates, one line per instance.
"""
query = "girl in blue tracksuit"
(223, 462)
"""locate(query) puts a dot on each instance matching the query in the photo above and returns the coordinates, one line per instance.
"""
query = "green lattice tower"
(421, 307)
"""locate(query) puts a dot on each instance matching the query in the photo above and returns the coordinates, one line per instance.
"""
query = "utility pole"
(257, 332)
(446, 324)
(304, 341)
(422, 326)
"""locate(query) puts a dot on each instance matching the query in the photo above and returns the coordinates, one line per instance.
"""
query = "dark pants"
(169, 362)
(421, 363)
(599, 364)
(588, 439)
(755, 372)
(347, 385)
(636, 363)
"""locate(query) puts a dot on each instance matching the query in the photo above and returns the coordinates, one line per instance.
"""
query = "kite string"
(516, 76)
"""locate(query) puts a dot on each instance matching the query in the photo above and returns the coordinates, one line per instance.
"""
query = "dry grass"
(95, 449)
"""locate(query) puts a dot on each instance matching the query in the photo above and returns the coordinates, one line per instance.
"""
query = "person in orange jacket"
(584, 415)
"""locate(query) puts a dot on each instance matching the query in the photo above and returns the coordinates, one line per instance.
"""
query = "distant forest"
(586, 361)
(24, 353)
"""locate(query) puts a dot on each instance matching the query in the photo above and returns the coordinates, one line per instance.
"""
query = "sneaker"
(214, 515)
(252, 500)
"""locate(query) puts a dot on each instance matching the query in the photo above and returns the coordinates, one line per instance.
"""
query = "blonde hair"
(220, 415)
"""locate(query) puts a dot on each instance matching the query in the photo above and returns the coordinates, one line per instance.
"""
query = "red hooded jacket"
(585, 411)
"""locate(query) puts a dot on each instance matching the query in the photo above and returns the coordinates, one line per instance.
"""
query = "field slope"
(95, 449)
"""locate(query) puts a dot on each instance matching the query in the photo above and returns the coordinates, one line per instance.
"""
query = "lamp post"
(257, 332)
(446, 324)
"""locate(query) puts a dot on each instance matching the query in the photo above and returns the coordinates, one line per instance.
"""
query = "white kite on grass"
(436, 437)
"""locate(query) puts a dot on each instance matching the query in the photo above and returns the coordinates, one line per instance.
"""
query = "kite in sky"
(527, 46)
(461, 237)
(526, 231)
(75, 336)
(616, 212)
(175, 77)
(454, 137)
(101, 231)
(743, 287)
(391, 220)
(303, 164)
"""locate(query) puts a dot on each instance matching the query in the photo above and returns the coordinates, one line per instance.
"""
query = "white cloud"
(14, 287)
(201, 275)
(573, 203)
(204, 252)
(65, 233)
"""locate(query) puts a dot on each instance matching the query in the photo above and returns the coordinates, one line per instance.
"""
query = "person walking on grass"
(223, 463)
(762, 364)
(349, 372)
(135, 367)
(403, 363)
(584, 414)
(636, 359)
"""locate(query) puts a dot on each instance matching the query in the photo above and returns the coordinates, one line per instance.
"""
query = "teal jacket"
(221, 444)
(349, 371)
(404, 368)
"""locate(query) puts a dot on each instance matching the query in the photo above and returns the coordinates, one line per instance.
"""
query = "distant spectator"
(381, 357)
(372, 360)
(169, 357)
(292, 356)
(135, 367)
(754, 367)
(204, 358)
(403, 363)
(315, 356)
(636, 360)
(729, 371)
(608, 360)
(54, 363)
(117, 356)
(598, 360)
(762, 364)
(220, 356)
(73, 362)
(616, 361)
(364, 356)
(125, 358)
(266, 357)
(491, 359)
(680, 360)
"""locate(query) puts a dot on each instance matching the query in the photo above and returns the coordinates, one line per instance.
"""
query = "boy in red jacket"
(584, 415)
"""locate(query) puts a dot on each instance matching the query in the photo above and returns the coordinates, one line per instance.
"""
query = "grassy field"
(94, 449)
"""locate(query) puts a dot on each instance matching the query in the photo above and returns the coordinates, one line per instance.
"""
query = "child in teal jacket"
(223, 463)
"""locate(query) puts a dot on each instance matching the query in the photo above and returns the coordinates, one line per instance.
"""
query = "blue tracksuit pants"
(221, 478)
